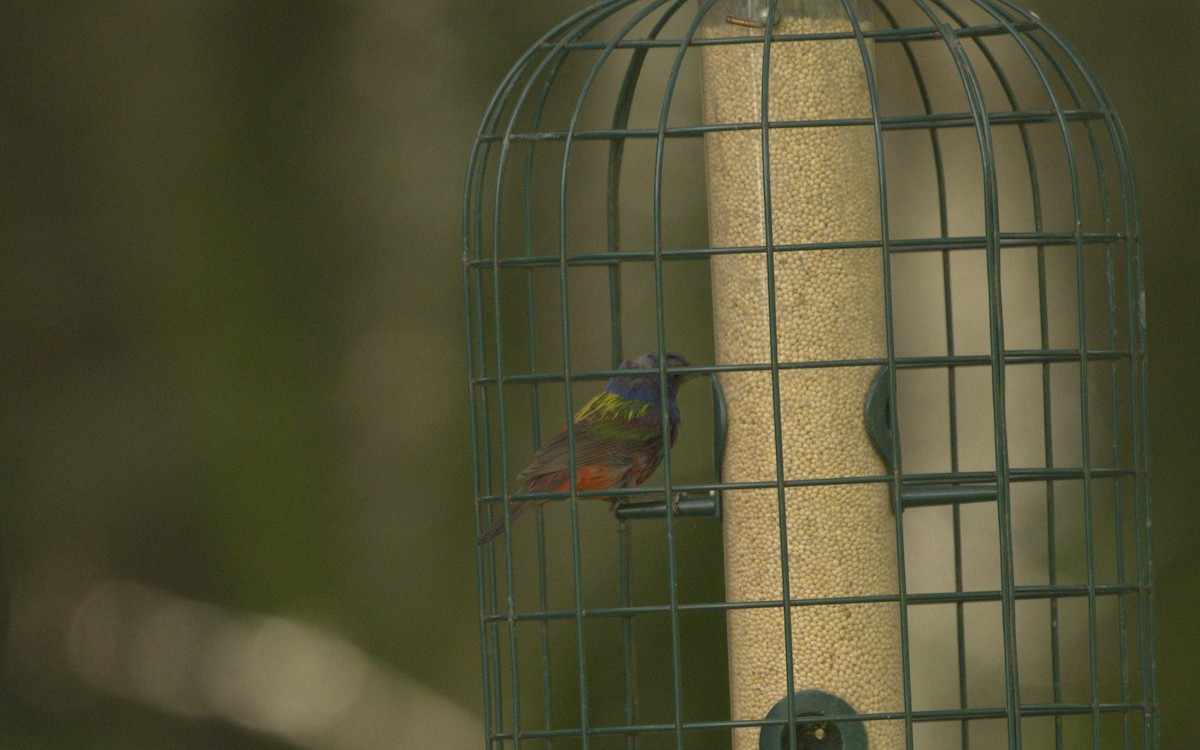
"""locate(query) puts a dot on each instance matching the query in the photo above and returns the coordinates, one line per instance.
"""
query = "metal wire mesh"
(582, 247)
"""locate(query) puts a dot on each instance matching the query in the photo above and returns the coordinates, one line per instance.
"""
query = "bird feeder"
(922, 456)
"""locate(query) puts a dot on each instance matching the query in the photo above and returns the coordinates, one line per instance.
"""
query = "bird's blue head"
(644, 385)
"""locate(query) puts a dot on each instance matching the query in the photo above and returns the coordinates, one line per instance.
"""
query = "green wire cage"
(899, 241)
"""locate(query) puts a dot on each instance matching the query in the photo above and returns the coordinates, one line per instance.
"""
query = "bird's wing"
(612, 434)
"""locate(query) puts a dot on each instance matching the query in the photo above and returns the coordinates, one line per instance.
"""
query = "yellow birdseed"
(829, 306)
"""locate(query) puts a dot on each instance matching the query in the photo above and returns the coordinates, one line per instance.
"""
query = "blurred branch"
(276, 675)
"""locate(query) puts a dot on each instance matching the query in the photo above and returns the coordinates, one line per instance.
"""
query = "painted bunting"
(618, 438)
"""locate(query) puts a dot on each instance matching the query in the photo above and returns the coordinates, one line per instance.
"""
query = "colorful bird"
(618, 438)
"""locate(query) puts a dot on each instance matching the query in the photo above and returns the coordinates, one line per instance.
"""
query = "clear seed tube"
(828, 307)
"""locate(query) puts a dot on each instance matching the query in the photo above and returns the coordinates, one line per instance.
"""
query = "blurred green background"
(231, 314)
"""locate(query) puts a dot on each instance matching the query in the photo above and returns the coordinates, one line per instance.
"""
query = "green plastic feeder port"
(813, 731)
(877, 413)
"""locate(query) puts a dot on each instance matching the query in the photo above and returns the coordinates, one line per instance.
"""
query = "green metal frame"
(514, 119)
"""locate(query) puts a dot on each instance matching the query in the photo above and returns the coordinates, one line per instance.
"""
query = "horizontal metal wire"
(909, 34)
(1027, 710)
(1033, 592)
(1017, 474)
(918, 245)
(888, 123)
(1011, 357)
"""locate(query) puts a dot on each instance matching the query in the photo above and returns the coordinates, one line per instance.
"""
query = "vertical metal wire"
(1137, 333)
(553, 60)
(1085, 420)
(1141, 426)
(998, 363)
(502, 417)
(1114, 384)
(535, 410)
(481, 421)
(951, 371)
(481, 459)
(1143, 539)
(1138, 386)
(1119, 540)
(476, 485)
(1136, 320)
(620, 120)
(473, 167)
(1140, 413)
(1047, 422)
(660, 324)
(897, 471)
(576, 562)
(616, 152)
(626, 550)
(1142, 496)
(773, 335)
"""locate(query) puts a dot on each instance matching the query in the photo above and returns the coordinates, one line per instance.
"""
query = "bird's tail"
(514, 512)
